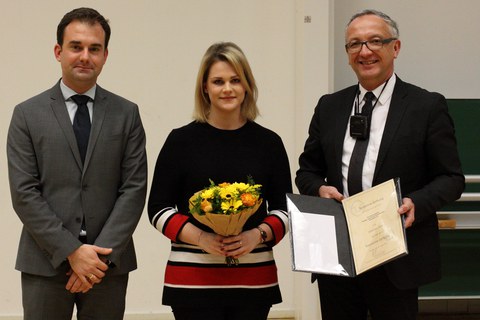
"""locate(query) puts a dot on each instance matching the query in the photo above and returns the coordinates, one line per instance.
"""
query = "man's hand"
(330, 192)
(75, 285)
(408, 210)
(87, 267)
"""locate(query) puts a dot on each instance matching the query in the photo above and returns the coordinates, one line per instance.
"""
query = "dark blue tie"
(81, 124)
(355, 168)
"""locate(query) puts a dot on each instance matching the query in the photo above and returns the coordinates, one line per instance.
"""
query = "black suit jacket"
(418, 145)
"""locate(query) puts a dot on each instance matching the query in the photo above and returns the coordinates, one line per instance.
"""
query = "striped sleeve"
(169, 222)
(277, 220)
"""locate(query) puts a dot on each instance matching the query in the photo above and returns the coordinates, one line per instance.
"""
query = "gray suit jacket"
(51, 190)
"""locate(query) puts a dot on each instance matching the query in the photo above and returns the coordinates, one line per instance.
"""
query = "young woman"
(223, 144)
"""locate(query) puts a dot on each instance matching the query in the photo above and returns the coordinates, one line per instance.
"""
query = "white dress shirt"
(71, 105)
(379, 117)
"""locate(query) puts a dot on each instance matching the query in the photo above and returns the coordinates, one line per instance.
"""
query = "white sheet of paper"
(314, 242)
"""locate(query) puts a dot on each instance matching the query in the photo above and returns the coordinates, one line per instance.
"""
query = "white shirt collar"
(384, 96)
(68, 93)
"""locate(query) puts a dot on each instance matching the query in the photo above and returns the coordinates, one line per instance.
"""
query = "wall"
(155, 51)
(440, 47)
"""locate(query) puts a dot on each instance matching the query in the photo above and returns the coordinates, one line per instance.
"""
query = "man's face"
(372, 67)
(82, 55)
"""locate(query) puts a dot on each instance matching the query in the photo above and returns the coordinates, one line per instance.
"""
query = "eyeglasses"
(372, 45)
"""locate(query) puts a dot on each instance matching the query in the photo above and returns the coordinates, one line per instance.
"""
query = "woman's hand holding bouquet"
(225, 208)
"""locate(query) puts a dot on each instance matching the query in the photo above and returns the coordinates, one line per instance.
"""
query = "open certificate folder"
(348, 238)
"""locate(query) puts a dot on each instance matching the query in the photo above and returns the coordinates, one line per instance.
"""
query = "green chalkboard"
(460, 249)
(466, 117)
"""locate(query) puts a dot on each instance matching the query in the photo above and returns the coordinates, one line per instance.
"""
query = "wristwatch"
(263, 234)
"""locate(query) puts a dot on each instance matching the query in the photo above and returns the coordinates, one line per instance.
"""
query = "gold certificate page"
(375, 226)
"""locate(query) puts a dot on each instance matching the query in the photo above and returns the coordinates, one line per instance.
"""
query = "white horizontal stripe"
(220, 287)
(202, 258)
(191, 246)
(161, 221)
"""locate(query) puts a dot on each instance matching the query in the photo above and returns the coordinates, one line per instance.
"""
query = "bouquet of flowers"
(226, 207)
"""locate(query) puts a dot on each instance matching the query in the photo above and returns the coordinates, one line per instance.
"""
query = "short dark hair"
(87, 15)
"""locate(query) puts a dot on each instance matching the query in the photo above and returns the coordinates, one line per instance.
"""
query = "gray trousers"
(45, 298)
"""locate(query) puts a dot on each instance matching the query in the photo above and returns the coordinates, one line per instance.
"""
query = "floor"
(433, 317)
(449, 317)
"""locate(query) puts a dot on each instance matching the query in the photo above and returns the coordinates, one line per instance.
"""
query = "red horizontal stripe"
(254, 276)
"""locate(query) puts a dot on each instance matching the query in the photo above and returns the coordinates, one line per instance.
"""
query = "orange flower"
(248, 199)
(206, 206)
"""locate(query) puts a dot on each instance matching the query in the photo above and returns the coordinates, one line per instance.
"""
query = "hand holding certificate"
(365, 232)
(375, 227)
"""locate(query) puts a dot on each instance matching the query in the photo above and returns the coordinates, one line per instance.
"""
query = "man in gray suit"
(78, 172)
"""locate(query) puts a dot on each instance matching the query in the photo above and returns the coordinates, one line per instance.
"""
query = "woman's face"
(224, 89)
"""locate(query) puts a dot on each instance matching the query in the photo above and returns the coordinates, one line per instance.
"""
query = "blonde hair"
(228, 52)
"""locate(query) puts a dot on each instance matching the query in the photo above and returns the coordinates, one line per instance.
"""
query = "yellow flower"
(237, 204)
(207, 194)
(231, 206)
(228, 192)
(242, 187)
